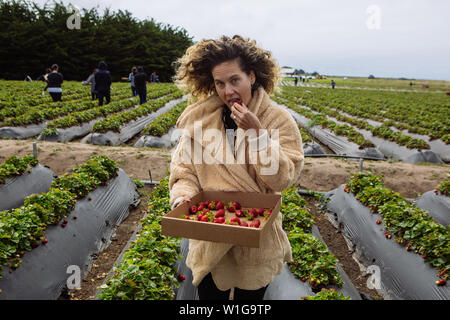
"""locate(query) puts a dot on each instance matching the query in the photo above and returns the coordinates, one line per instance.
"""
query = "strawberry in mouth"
(235, 100)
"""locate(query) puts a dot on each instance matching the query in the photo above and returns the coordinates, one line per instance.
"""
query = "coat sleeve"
(277, 155)
(183, 180)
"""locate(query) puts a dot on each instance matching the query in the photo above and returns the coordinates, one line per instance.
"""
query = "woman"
(91, 80)
(231, 79)
(54, 81)
(131, 80)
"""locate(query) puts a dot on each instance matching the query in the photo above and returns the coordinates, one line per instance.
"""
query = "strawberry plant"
(164, 122)
(14, 166)
(443, 188)
(409, 224)
(115, 121)
(327, 294)
(312, 261)
(23, 228)
(147, 270)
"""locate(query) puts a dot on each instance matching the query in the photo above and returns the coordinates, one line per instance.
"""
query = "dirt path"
(319, 174)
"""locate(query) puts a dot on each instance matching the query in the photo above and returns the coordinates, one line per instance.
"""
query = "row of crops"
(407, 126)
(77, 116)
(399, 124)
(377, 84)
(57, 224)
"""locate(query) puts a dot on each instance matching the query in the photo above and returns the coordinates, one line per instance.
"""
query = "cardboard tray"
(173, 225)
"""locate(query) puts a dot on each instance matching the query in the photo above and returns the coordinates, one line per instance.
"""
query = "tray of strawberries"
(230, 217)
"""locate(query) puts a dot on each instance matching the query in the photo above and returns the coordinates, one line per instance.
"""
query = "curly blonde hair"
(194, 69)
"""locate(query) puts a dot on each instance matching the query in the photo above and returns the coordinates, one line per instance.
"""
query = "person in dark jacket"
(140, 82)
(54, 81)
(103, 83)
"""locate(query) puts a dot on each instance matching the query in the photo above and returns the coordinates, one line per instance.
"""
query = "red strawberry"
(235, 220)
(219, 220)
(254, 213)
(260, 211)
(239, 213)
(220, 205)
(267, 213)
(199, 217)
(346, 189)
(232, 209)
(220, 213)
(181, 277)
(63, 225)
(74, 217)
(89, 198)
(237, 205)
(204, 219)
(212, 205)
(244, 224)
(378, 221)
(255, 224)
(200, 207)
(44, 241)
(193, 210)
(441, 282)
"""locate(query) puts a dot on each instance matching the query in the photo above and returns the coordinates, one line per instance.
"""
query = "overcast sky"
(386, 38)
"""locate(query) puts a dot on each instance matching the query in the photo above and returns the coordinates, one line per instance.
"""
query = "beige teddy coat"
(231, 265)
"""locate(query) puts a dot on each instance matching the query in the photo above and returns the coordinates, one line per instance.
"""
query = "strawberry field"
(406, 240)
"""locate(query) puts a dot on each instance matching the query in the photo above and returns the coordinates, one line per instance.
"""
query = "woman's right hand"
(185, 199)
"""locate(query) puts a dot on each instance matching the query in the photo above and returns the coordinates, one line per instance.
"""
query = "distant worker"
(333, 84)
(103, 83)
(140, 81)
(296, 80)
(151, 79)
(54, 81)
(43, 77)
(131, 79)
(91, 80)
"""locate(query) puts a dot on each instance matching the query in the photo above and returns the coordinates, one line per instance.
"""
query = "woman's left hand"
(244, 118)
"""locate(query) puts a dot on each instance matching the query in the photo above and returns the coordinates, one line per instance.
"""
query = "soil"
(105, 261)
(338, 247)
(319, 174)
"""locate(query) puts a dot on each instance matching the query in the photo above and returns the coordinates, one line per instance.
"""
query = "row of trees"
(34, 37)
